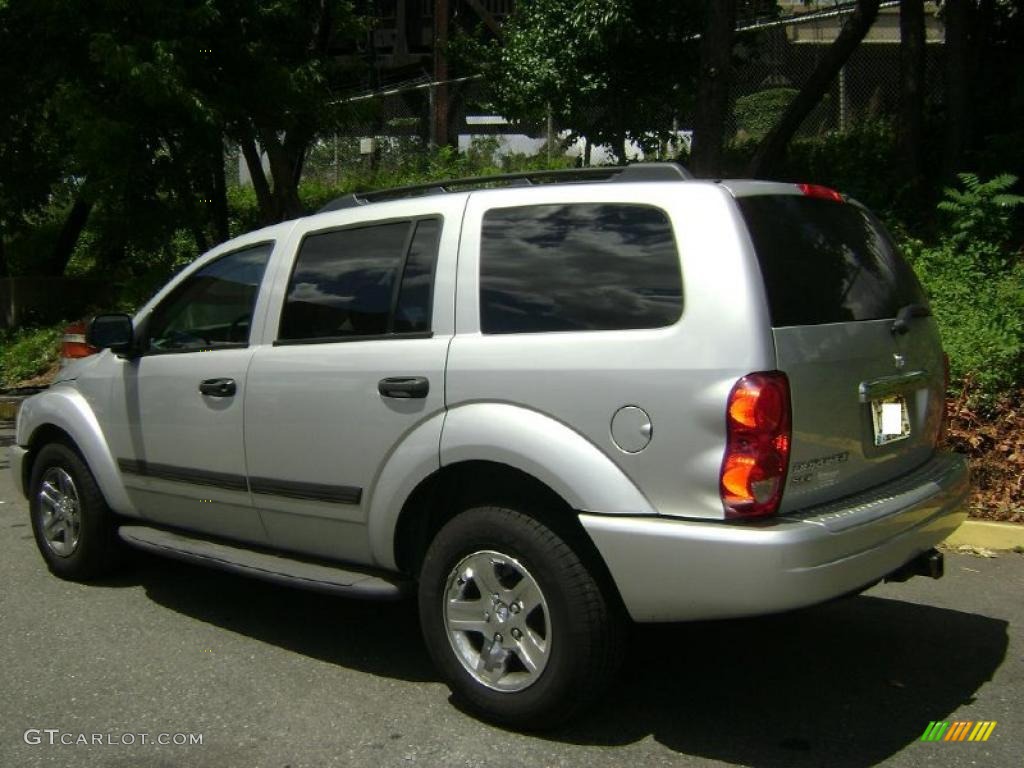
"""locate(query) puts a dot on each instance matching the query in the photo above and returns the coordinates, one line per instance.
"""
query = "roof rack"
(611, 173)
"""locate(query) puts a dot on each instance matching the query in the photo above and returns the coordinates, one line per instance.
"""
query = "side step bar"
(320, 576)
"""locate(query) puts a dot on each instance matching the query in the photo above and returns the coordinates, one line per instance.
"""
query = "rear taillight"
(73, 345)
(820, 192)
(758, 427)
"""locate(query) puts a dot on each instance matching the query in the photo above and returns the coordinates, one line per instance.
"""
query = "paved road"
(274, 677)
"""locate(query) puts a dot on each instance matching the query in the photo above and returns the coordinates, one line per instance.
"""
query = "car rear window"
(825, 261)
(578, 267)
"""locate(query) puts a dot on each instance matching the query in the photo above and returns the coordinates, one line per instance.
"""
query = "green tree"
(610, 70)
(273, 76)
(117, 113)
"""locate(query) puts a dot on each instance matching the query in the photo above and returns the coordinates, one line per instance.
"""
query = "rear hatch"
(867, 390)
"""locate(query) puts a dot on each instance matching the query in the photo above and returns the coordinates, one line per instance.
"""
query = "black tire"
(585, 629)
(97, 550)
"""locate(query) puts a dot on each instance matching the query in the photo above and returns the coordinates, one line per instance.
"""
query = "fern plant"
(982, 211)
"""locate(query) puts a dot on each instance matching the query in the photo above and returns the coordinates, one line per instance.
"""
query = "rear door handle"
(218, 387)
(404, 387)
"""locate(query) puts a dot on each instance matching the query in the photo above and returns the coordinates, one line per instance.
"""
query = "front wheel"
(72, 524)
(519, 627)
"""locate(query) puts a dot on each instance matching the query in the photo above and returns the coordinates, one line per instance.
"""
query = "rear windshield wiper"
(902, 322)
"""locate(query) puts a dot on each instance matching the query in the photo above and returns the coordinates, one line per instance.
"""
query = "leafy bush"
(975, 278)
(859, 162)
(864, 161)
(982, 212)
(757, 113)
(29, 352)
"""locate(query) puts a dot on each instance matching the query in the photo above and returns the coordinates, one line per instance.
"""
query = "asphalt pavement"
(269, 676)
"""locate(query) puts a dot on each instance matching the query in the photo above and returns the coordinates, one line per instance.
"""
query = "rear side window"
(362, 282)
(826, 262)
(578, 267)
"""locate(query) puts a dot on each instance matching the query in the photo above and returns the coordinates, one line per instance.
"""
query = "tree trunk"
(68, 236)
(957, 79)
(198, 234)
(713, 89)
(442, 130)
(220, 192)
(912, 63)
(285, 168)
(773, 147)
(264, 198)
(295, 145)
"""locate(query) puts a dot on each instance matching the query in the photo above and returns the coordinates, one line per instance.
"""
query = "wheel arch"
(64, 416)
(457, 487)
(44, 435)
(508, 441)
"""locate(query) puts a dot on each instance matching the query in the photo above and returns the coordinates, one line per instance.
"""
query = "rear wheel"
(72, 524)
(519, 627)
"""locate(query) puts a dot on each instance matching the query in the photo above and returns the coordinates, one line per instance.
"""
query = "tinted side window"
(366, 281)
(211, 308)
(578, 267)
(826, 262)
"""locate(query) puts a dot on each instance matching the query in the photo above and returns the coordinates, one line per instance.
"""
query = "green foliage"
(141, 273)
(28, 352)
(608, 70)
(983, 211)
(756, 113)
(974, 277)
(402, 161)
(861, 162)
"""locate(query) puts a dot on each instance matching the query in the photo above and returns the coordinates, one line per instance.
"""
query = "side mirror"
(113, 332)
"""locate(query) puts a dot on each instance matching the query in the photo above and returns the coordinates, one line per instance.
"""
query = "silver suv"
(547, 406)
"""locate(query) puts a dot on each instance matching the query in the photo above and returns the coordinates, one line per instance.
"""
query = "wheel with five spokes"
(514, 620)
(72, 524)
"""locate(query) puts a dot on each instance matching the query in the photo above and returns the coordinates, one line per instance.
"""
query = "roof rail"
(610, 173)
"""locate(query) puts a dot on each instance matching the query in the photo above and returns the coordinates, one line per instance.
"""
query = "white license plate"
(890, 419)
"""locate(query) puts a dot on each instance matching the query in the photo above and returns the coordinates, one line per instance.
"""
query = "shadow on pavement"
(846, 684)
(377, 637)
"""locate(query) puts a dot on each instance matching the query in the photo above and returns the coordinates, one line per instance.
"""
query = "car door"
(357, 362)
(176, 410)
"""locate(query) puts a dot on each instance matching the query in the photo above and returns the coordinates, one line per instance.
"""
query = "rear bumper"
(672, 570)
(16, 454)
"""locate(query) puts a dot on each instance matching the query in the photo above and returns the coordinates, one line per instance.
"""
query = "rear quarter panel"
(680, 375)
